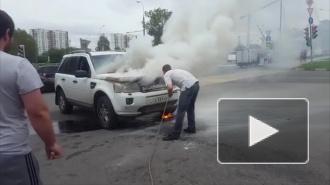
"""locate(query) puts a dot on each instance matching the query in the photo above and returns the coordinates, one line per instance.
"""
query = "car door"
(81, 87)
(70, 79)
(61, 76)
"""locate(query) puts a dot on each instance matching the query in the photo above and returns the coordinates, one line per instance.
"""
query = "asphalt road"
(120, 157)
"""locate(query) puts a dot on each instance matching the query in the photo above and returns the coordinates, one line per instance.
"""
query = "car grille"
(157, 85)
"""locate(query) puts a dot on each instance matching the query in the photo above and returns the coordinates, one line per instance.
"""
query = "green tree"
(43, 58)
(103, 44)
(155, 25)
(55, 55)
(21, 37)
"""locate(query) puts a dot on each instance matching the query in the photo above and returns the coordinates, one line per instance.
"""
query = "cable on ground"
(155, 144)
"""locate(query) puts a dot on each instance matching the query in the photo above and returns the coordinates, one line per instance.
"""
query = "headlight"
(126, 88)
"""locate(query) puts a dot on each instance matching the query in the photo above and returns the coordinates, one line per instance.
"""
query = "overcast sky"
(84, 18)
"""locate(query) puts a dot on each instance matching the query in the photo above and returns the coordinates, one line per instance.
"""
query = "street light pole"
(281, 13)
(101, 47)
(143, 22)
(101, 28)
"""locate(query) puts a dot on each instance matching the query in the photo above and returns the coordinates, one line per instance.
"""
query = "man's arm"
(39, 115)
(29, 83)
(169, 85)
(170, 90)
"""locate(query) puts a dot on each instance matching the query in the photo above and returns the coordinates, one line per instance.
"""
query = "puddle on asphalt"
(71, 126)
(75, 126)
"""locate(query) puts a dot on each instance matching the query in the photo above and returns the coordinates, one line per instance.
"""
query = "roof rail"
(77, 51)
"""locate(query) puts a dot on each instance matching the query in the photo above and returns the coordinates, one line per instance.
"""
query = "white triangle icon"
(258, 131)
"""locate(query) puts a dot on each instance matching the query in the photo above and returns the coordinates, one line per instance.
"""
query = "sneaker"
(170, 137)
(191, 131)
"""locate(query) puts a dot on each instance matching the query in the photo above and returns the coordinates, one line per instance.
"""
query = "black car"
(47, 75)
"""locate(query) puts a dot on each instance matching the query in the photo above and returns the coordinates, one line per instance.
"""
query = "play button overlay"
(259, 131)
(263, 131)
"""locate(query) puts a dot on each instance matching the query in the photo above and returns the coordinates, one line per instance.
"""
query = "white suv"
(78, 83)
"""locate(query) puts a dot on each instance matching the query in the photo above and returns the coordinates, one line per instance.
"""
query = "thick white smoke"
(198, 37)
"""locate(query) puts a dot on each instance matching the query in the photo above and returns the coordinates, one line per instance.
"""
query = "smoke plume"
(198, 37)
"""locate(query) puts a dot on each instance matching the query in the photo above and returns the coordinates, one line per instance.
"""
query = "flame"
(167, 116)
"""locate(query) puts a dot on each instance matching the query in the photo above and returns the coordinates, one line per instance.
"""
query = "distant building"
(59, 39)
(120, 41)
(84, 44)
(50, 39)
(42, 39)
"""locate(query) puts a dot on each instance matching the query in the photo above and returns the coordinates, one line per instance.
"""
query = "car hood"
(119, 78)
(143, 81)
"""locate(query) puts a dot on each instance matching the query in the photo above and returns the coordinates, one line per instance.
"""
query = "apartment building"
(50, 39)
(41, 37)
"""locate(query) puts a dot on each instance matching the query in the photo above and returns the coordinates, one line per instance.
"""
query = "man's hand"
(54, 151)
(170, 94)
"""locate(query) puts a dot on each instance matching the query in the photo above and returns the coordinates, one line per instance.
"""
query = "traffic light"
(308, 40)
(306, 33)
(314, 32)
(21, 51)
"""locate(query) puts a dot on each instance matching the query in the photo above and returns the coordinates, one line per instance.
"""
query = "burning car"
(111, 95)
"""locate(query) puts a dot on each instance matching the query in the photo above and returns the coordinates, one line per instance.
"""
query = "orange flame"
(167, 116)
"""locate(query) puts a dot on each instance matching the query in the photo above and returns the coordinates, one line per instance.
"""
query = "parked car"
(35, 65)
(79, 82)
(47, 75)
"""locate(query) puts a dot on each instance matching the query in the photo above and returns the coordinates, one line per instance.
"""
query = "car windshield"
(49, 69)
(100, 61)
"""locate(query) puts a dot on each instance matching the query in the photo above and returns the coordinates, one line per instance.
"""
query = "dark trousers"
(186, 104)
(19, 170)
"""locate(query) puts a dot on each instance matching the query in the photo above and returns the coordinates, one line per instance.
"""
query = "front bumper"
(137, 104)
(171, 105)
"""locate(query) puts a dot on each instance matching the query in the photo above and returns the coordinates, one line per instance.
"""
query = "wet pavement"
(121, 156)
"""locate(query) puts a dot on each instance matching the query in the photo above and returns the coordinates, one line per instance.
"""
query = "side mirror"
(81, 74)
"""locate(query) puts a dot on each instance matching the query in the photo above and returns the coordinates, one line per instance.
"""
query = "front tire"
(63, 104)
(105, 113)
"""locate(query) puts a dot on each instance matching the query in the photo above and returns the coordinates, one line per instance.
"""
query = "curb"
(321, 69)
(317, 69)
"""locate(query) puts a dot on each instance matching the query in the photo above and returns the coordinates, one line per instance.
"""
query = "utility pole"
(249, 32)
(281, 12)
(311, 28)
(143, 19)
(261, 33)
(250, 14)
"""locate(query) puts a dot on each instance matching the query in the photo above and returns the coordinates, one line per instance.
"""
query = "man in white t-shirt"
(20, 103)
(189, 87)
